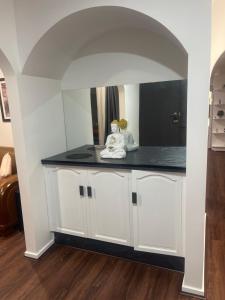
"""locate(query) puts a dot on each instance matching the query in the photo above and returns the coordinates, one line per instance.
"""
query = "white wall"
(132, 109)
(43, 127)
(9, 56)
(9, 63)
(218, 30)
(33, 19)
(78, 117)
(6, 139)
(105, 69)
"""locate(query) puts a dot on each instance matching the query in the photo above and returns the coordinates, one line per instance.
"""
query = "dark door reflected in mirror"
(163, 110)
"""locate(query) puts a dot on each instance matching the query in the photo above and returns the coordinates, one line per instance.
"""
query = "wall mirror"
(156, 113)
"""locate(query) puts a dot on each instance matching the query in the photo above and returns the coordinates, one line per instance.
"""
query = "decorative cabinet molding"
(110, 206)
(142, 209)
(157, 215)
(67, 208)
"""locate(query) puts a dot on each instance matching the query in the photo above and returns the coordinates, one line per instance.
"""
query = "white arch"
(69, 38)
(220, 63)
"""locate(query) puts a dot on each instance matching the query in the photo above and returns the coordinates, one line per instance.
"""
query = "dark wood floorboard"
(68, 273)
(215, 237)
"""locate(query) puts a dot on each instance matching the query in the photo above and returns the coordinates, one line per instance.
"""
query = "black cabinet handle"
(81, 188)
(134, 198)
(89, 191)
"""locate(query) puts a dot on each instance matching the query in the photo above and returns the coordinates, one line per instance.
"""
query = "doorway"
(10, 207)
(217, 106)
(163, 111)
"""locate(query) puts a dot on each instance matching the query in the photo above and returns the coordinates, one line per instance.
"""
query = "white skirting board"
(191, 289)
(39, 253)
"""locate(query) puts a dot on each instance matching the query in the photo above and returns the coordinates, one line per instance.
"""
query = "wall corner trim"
(39, 253)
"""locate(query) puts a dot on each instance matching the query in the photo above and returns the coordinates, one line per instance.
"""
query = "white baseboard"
(39, 253)
(193, 290)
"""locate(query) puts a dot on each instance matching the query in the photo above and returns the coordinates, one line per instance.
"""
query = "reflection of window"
(101, 94)
(101, 113)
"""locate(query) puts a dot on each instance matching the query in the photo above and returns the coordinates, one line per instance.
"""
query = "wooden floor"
(215, 237)
(68, 273)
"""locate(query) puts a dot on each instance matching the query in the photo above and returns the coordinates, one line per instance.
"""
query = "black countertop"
(171, 159)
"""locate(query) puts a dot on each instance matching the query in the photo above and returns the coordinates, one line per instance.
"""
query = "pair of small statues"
(119, 141)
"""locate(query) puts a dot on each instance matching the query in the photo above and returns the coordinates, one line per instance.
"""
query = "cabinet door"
(158, 212)
(110, 206)
(67, 207)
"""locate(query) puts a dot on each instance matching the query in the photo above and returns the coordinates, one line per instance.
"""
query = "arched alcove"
(84, 35)
(81, 36)
(217, 88)
(217, 80)
(104, 30)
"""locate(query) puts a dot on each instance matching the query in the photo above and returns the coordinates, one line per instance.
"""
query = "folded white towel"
(6, 166)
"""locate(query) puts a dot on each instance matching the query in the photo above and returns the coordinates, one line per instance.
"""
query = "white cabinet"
(110, 206)
(66, 207)
(106, 212)
(103, 212)
(157, 213)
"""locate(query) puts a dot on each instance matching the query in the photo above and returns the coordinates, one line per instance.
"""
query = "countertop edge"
(115, 166)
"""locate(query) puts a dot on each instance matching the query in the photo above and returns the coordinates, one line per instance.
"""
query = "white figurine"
(115, 144)
(130, 145)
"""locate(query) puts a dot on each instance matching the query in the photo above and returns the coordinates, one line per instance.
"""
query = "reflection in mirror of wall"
(217, 107)
(156, 113)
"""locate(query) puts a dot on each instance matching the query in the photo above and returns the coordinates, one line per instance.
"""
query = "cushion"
(6, 166)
